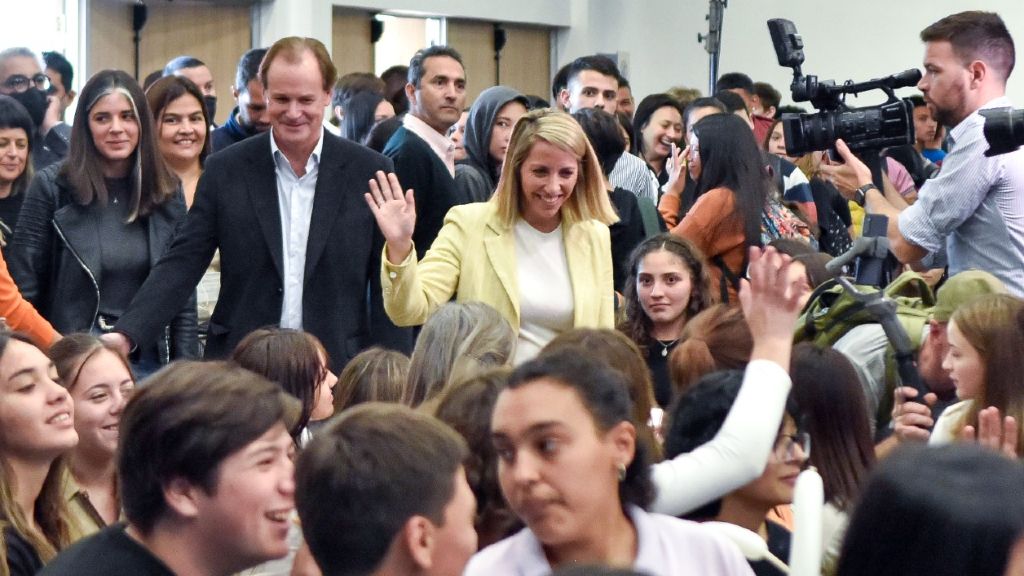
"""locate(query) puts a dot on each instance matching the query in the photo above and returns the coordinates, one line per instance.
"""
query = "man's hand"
(118, 341)
(849, 175)
(913, 420)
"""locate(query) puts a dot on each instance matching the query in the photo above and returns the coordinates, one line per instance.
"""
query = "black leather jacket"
(56, 262)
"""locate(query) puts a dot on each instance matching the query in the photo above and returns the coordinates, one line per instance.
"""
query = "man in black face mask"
(196, 71)
(22, 78)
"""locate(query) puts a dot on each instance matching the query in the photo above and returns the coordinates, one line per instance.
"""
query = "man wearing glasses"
(22, 78)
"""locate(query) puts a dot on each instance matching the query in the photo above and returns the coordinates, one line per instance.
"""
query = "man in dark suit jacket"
(268, 201)
(424, 157)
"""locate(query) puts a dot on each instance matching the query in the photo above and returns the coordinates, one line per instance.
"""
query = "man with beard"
(973, 207)
(249, 118)
(22, 78)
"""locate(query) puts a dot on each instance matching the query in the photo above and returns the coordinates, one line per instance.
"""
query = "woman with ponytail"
(716, 339)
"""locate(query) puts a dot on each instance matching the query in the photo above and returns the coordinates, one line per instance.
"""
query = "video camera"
(868, 128)
(1004, 130)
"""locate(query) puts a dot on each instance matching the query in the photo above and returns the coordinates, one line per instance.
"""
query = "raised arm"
(738, 453)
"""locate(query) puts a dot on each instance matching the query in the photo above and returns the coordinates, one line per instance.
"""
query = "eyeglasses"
(21, 83)
(786, 447)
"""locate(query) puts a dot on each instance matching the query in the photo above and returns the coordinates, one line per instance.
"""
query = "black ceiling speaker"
(376, 30)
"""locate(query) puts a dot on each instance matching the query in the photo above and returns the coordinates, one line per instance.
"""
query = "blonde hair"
(588, 201)
(457, 334)
(994, 326)
(373, 375)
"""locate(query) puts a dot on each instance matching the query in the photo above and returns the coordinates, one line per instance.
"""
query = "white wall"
(842, 40)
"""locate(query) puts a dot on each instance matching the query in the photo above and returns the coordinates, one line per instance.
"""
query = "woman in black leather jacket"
(91, 228)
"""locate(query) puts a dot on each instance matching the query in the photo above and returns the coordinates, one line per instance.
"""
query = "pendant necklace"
(666, 346)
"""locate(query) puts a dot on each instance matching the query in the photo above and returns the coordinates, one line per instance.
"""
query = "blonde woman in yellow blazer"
(551, 178)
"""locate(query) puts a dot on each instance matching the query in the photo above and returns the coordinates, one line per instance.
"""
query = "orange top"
(714, 226)
(19, 314)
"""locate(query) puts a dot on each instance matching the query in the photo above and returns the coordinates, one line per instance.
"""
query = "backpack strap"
(729, 278)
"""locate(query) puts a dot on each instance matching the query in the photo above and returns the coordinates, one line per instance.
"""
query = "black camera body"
(1004, 130)
(870, 128)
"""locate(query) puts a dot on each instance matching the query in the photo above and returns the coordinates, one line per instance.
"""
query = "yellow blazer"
(474, 259)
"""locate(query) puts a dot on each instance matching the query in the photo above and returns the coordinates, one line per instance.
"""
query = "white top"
(666, 546)
(545, 291)
(295, 204)
(738, 452)
(439, 143)
(947, 427)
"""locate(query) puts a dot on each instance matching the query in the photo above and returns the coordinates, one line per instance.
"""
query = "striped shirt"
(631, 173)
(974, 207)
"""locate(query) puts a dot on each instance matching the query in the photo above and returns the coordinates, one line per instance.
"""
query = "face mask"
(34, 100)
(211, 107)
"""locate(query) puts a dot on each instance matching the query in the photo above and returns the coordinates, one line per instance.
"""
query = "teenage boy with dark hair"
(205, 476)
(593, 82)
(382, 491)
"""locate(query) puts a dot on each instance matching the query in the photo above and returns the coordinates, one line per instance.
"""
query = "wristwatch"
(860, 194)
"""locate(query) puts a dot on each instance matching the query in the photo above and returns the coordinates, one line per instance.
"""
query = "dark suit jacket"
(419, 168)
(236, 210)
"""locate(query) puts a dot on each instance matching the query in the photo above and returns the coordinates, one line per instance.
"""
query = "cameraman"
(973, 207)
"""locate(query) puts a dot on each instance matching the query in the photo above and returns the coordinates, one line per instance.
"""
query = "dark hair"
(417, 65)
(603, 65)
(467, 408)
(642, 115)
(704, 102)
(170, 88)
(365, 474)
(626, 123)
(618, 352)
(533, 102)
(637, 325)
(294, 360)
(716, 339)
(181, 63)
(14, 115)
(71, 353)
(698, 415)
(624, 82)
(378, 136)
(835, 414)
(58, 63)
(360, 110)
(354, 83)
(152, 182)
(767, 94)
(188, 418)
(959, 512)
(976, 35)
(559, 81)
(730, 159)
(394, 88)
(602, 130)
(605, 395)
(734, 81)
(292, 49)
(917, 100)
(151, 78)
(249, 68)
(732, 101)
(374, 375)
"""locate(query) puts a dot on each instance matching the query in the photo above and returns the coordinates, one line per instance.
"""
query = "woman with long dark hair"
(732, 191)
(182, 128)
(16, 134)
(92, 227)
(363, 111)
(658, 125)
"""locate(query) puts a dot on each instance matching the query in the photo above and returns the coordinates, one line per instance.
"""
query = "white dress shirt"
(295, 203)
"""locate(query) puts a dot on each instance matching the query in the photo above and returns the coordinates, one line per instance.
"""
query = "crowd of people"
(526, 336)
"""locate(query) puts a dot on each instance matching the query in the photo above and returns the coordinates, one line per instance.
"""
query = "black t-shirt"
(625, 234)
(109, 551)
(657, 361)
(22, 559)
